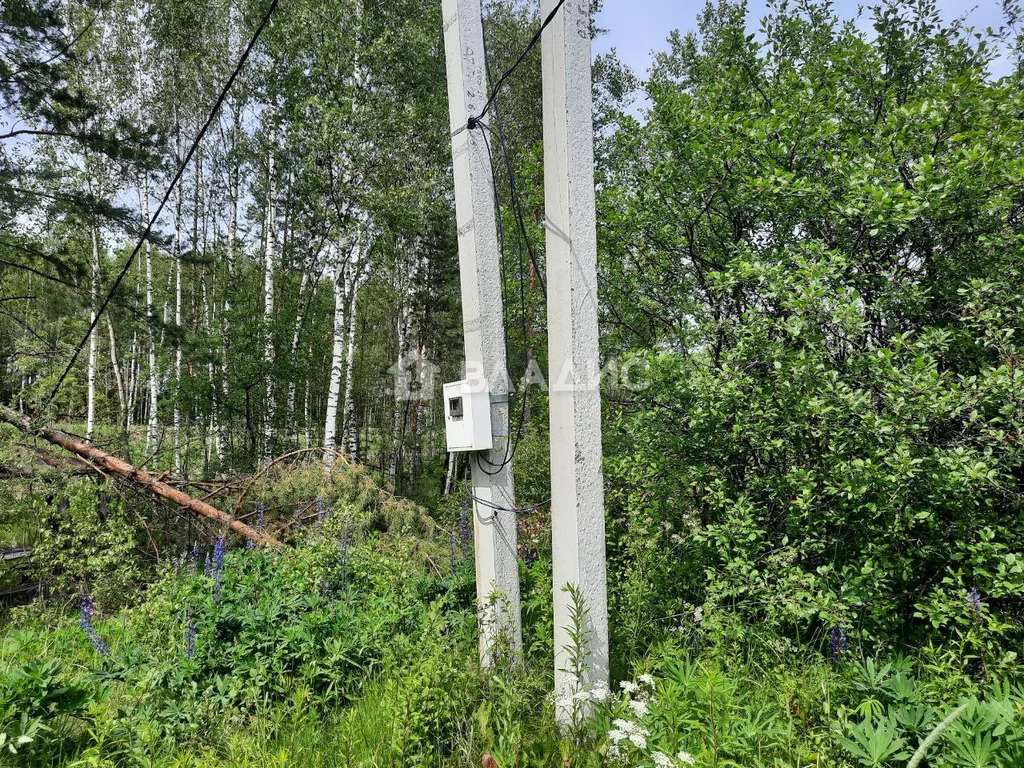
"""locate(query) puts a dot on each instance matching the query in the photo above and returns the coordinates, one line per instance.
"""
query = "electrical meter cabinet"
(467, 415)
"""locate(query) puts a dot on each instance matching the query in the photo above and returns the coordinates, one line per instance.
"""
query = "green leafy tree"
(816, 236)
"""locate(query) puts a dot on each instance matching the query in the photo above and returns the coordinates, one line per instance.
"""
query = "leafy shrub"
(86, 544)
(42, 711)
(259, 621)
(830, 435)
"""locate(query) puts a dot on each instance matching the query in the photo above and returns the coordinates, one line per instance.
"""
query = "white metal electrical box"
(467, 415)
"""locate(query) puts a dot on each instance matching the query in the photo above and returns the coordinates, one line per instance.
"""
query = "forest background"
(811, 233)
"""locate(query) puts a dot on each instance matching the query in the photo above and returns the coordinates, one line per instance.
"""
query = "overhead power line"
(517, 210)
(499, 508)
(167, 195)
(522, 57)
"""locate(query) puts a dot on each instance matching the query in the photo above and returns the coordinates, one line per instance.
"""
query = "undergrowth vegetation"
(812, 247)
(356, 645)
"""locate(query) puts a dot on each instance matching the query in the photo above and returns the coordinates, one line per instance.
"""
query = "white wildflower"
(614, 752)
(639, 708)
(630, 728)
(698, 614)
(600, 692)
(647, 680)
(661, 760)
(624, 725)
(639, 740)
(617, 735)
(629, 687)
(685, 758)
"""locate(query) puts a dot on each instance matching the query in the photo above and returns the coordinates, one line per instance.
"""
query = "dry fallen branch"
(124, 470)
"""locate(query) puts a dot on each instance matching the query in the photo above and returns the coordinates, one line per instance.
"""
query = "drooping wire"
(517, 202)
(167, 195)
(510, 447)
(500, 135)
(497, 507)
(523, 234)
(473, 120)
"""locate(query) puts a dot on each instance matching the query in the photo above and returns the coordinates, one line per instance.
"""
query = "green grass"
(356, 646)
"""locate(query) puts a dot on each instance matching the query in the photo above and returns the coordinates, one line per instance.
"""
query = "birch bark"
(337, 353)
(269, 261)
(94, 297)
(351, 429)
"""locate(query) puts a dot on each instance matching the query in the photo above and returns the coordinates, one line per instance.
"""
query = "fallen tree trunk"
(123, 469)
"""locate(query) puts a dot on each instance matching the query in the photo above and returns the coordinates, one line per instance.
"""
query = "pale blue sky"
(636, 27)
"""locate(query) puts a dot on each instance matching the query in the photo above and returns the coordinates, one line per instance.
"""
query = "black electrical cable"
(499, 508)
(510, 448)
(519, 250)
(522, 57)
(517, 203)
(513, 188)
(513, 446)
(167, 195)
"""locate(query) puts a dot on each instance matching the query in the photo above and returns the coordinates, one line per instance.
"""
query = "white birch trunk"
(176, 255)
(350, 434)
(153, 376)
(306, 441)
(153, 421)
(334, 386)
(119, 380)
(131, 381)
(404, 379)
(296, 339)
(270, 259)
(94, 296)
(450, 467)
(222, 436)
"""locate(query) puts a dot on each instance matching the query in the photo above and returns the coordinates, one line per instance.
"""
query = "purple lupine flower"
(298, 517)
(838, 638)
(196, 556)
(218, 553)
(190, 636)
(218, 566)
(85, 621)
(529, 556)
(326, 587)
(974, 600)
(465, 530)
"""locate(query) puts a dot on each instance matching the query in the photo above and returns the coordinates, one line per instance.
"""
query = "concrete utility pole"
(577, 480)
(497, 565)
